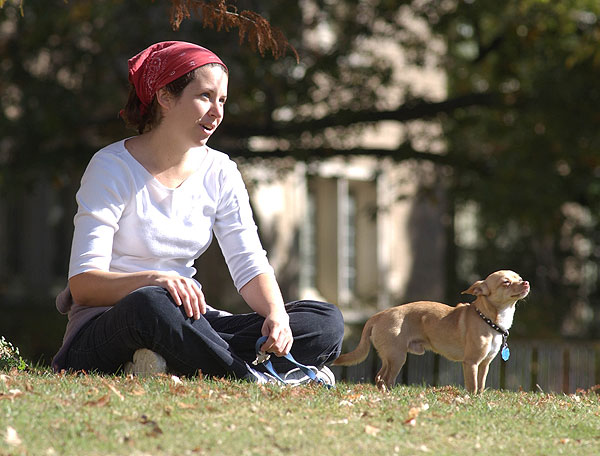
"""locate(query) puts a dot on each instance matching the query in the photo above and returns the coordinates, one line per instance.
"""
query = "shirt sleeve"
(100, 201)
(236, 230)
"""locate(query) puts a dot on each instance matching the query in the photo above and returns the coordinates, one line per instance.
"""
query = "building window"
(339, 238)
(347, 250)
(308, 250)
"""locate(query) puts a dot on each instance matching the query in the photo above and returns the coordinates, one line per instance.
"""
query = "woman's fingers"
(186, 299)
(280, 337)
(201, 301)
(187, 293)
(192, 298)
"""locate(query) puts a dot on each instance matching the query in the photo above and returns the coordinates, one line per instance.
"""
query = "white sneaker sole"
(296, 377)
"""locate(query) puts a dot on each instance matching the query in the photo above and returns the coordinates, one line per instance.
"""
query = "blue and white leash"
(263, 358)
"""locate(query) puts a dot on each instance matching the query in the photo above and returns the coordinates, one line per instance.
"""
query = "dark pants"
(216, 344)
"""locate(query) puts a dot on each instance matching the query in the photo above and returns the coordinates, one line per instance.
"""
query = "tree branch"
(418, 109)
(488, 49)
(404, 152)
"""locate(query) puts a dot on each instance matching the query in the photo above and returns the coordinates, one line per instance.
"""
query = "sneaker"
(297, 377)
(145, 363)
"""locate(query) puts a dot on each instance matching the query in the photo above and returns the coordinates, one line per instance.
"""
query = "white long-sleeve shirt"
(127, 221)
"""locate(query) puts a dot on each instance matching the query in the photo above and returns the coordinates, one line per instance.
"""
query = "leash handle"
(269, 366)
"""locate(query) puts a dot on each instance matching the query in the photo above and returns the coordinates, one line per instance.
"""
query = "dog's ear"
(479, 288)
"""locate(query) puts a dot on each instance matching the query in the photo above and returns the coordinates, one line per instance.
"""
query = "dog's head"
(502, 288)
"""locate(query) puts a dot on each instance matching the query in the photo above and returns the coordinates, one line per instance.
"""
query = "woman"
(147, 208)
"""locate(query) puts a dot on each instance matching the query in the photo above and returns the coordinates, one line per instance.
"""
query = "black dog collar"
(505, 352)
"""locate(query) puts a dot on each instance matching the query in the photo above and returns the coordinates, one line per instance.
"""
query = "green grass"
(46, 414)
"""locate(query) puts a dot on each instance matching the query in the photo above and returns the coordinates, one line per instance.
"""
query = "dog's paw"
(381, 385)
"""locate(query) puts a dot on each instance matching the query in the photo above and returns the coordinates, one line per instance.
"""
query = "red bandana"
(164, 62)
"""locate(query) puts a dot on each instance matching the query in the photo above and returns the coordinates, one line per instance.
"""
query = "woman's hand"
(185, 292)
(263, 296)
(279, 334)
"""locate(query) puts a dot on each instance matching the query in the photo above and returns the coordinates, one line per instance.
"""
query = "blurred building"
(362, 232)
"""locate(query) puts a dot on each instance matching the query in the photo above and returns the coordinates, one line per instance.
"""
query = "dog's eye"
(506, 283)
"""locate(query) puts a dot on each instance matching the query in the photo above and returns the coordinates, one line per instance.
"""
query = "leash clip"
(261, 357)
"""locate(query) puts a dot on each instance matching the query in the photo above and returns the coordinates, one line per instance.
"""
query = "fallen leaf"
(342, 421)
(185, 406)
(371, 430)
(411, 422)
(177, 387)
(138, 391)
(413, 412)
(12, 394)
(101, 402)
(113, 389)
(355, 397)
(155, 431)
(179, 390)
(11, 437)
(462, 399)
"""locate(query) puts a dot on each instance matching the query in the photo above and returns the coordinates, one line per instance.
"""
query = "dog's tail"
(360, 353)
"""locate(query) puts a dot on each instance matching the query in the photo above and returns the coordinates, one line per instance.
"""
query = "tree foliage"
(535, 152)
(260, 34)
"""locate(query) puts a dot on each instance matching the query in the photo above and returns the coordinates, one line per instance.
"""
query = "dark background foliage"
(520, 122)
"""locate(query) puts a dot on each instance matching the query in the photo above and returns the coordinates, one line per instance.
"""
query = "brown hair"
(132, 114)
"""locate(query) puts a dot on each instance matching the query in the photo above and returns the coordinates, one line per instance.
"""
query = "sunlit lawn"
(46, 414)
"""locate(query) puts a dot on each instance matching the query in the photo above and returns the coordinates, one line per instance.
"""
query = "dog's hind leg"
(392, 362)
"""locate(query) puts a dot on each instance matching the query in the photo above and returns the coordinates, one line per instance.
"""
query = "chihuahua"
(472, 333)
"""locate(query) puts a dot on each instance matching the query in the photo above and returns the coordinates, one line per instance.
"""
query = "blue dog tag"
(505, 353)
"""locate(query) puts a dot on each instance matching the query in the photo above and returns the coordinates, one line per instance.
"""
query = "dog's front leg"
(470, 374)
(482, 374)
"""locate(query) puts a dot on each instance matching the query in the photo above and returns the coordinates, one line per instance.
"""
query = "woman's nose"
(216, 110)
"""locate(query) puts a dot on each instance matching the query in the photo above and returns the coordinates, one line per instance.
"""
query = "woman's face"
(198, 111)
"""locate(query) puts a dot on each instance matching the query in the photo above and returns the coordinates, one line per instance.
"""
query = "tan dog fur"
(458, 333)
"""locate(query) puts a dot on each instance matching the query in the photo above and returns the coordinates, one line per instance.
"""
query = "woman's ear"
(164, 98)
